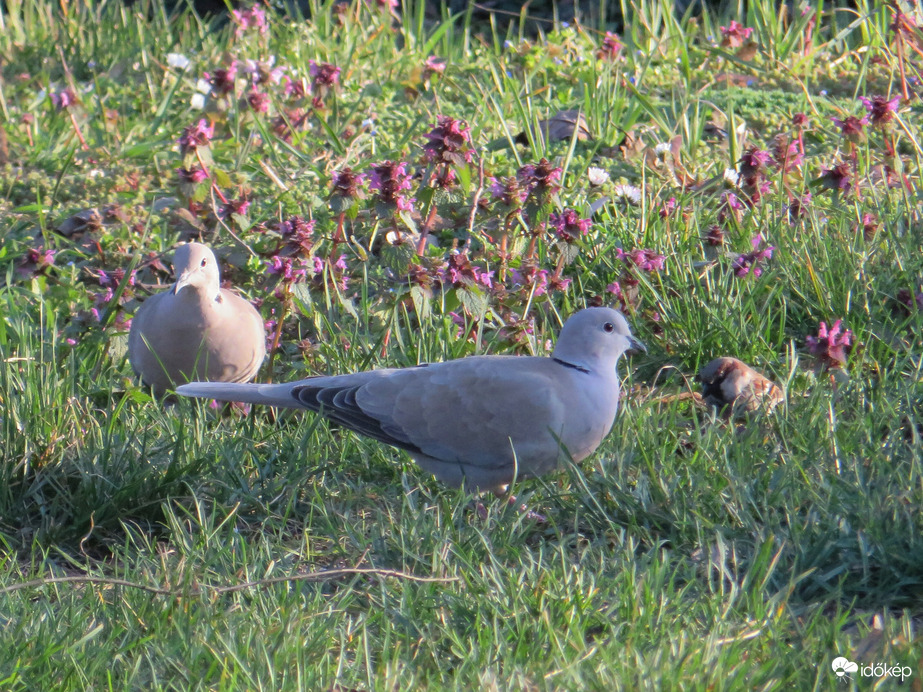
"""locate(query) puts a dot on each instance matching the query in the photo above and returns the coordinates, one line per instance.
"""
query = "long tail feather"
(268, 394)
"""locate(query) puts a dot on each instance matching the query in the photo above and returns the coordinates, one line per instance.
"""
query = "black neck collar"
(578, 368)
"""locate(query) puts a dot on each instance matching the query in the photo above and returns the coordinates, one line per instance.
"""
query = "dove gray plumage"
(196, 330)
(479, 421)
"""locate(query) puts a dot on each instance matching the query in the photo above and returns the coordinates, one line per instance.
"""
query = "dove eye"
(204, 261)
(608, 327)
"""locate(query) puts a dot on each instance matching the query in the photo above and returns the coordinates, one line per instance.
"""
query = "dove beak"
(182, 280)
(635, 347)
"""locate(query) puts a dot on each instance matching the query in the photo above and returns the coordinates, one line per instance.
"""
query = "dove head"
(594, 339)
(195, 265)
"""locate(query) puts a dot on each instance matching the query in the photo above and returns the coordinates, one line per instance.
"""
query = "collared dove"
(477, 422)
(196, 330)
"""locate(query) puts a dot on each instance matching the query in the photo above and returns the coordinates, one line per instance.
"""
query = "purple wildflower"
(64, 99)
(37, 260)
(837, 178)
(645, 260)
(235, 207)
(831, 346)
(264, 71)
(298, 233)
(294, 88)
(346, 184)
(431, 66)
(881, 110)
(531, 279)
(851, 127)
(114, 278)
(462, 274)
(731, 208)
(610, 48)
(754, 162)
(508, 192)
(390, 179)
(749, 263)
(568, 226)
(540, 179)
(288, 269)
(667, 208)
(191, 176)
(448, 142)
(786, 153)
(222, 79)
(335, 275)
(250, 18)
(324, 75)
(715, 236)
(195, 136)
(258, 101)
(869, 226)
(735, 35)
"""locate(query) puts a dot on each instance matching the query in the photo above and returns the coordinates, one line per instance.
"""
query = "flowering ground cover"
(390, 190)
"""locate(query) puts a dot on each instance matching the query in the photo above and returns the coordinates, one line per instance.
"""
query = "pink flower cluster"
(346, 183)
(288, 269)
(250, 18)
(64, 99)
(324, 75)
(734, 35)
(610, 48)
(390, 180)
(541, 179)
(831, 346)
(508, 192)
(880, 109)
(749, 263)
(568, 226)
(645, 260)
(461, 273)
(448, 142)
(195, 136)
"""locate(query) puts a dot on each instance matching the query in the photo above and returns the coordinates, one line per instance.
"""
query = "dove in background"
(196, 330)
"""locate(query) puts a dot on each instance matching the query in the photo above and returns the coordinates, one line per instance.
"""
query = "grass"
(689, 552)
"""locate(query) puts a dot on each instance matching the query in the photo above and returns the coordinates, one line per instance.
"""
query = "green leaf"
(473, 300)
(422, 298)
(221, 178)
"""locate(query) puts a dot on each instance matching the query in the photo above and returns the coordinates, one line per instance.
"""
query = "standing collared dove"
(479, 421)
(196, 330)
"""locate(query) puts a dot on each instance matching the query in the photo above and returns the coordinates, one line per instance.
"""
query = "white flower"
(177, 60)
(731, 177)
(627, 194)
(597, 176)
(197, 102)
(662, 150)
